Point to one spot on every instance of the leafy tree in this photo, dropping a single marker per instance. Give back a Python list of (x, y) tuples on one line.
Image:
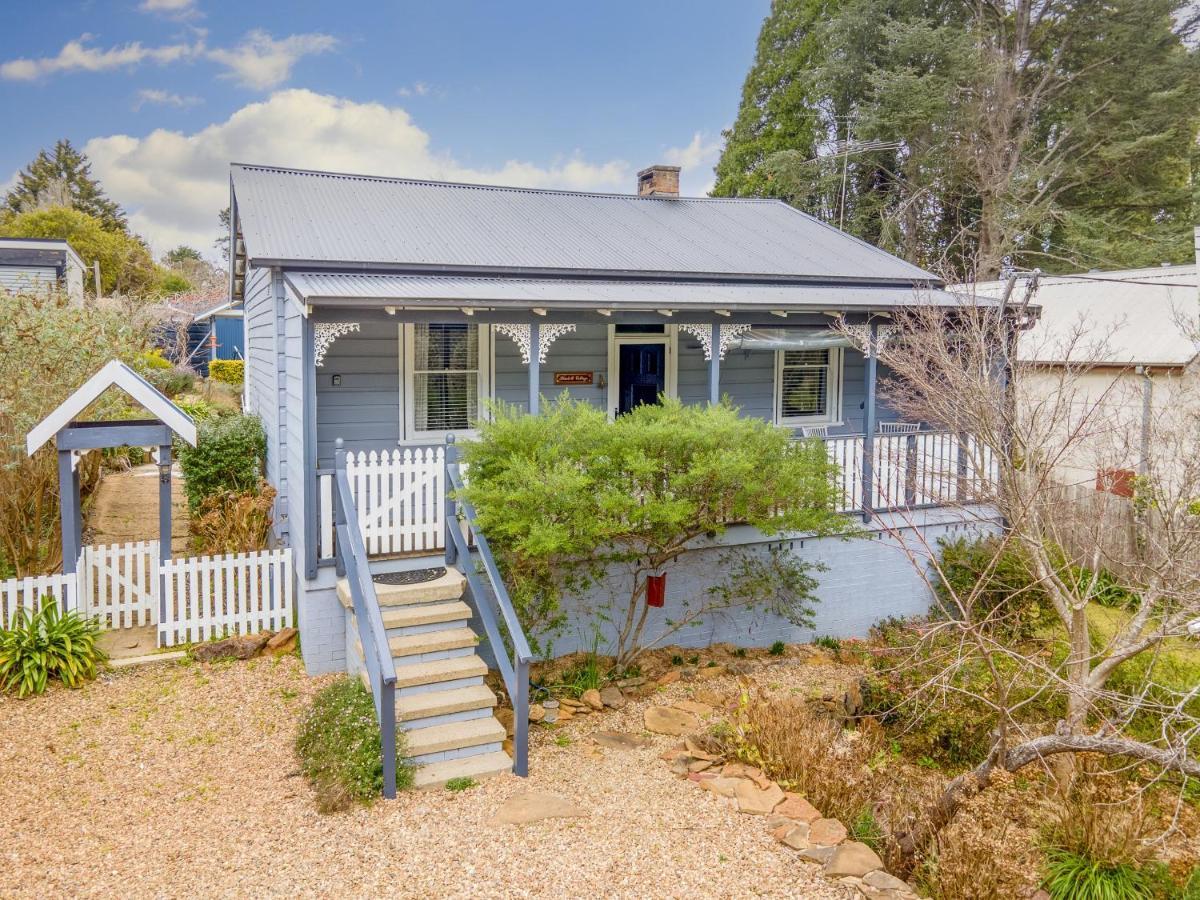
[(571, 501), (64, 178), (125, 264), (222, 241), (1053, 132), (181, 255)]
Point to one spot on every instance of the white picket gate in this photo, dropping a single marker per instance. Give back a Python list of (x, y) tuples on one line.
[(399, 496), (21, 593), (118, 584), (212, 596)]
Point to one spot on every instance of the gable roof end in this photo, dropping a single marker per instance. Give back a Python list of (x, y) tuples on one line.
[(138, 388)]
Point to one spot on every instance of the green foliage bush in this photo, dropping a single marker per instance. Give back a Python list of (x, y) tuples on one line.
[(48, 644), (173, 381), (340, 749), (1072, 876), (227, 371), (151, 360), (228, 457), (568, 498), (994, 582)]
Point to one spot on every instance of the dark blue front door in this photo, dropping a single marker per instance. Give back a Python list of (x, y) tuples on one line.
[(642, 375)]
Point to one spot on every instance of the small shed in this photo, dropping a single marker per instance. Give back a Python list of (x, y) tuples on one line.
[(40, 264), (73, 438), (221, 333)]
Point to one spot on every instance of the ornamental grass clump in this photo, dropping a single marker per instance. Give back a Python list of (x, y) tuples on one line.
[(45, 644), (340, 748)]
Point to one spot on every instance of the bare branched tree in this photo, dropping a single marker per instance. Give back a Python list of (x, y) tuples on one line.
[(1032, 428)]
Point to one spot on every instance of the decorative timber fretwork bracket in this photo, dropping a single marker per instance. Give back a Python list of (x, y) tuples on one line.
[(325, 333), (522, 336), (729, 332)]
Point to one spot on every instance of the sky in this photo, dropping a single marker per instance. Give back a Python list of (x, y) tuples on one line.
[(163, 94)]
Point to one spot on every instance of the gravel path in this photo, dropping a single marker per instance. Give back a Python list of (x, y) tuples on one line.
[(180, 780)]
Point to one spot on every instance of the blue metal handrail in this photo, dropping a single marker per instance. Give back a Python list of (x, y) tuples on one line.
[(377, 655), (514, 671)]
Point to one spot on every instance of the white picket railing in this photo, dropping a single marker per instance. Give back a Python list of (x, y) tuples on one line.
[(20, 593), (118, 584), (399, 496), (213, 596)]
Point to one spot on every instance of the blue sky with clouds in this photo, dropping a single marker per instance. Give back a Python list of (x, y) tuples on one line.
[(163, 94)]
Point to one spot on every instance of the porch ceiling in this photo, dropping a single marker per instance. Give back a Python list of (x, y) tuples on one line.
[(339, 289)]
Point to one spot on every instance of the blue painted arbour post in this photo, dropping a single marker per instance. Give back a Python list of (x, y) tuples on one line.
[(868, 459), (714, 365), (535, 368)]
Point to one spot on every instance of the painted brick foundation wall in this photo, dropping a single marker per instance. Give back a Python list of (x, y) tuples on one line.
[(322, 624)]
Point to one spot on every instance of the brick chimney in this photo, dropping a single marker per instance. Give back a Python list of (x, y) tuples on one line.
[(659, 181)]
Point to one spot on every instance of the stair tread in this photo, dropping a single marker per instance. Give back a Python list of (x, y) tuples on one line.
[(439, 703), (411, 674), (430, 614), (481, 766), (433, 641), (454, 735), (450, 586)]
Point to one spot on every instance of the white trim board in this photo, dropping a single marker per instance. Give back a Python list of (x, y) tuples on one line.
[(138, 388)]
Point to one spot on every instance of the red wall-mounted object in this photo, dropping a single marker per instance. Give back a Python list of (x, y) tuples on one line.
[(656, 590)]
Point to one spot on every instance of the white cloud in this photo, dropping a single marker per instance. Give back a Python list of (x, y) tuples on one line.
[(259, 61), (148, 96), (418, 89), (697, 160), (262, 62), (77, 56), (175, 9), (173, 183)]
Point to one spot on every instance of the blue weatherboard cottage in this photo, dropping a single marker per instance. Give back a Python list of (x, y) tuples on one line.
[(382, 314)]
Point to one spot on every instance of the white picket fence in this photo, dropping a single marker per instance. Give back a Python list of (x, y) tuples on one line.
[(121, 586), (399, 496), (212, 596), (22, 593)]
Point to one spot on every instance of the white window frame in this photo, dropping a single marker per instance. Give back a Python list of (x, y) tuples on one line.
[(669, 339), (408, 413), (833, 392)]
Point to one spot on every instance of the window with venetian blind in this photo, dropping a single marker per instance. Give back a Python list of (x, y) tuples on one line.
[(445, 377), (806, 390)]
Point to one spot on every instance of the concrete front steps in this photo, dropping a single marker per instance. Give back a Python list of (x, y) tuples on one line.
[(442, 703)]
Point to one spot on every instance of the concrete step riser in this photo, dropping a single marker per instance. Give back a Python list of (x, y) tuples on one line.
[(481, 765), (438, 686), (466, 715), (432, 656), (460, 753), (409, 630)]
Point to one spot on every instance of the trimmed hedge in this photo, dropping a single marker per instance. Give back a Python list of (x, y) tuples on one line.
[(228, 371), (228, 457)]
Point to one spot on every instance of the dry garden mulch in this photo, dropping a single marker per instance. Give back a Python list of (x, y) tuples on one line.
[(181, 780)]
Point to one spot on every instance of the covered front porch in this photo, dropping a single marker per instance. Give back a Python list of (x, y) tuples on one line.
[(392, 380)]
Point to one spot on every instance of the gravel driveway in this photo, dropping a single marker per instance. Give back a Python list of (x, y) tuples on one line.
[(180, 780)]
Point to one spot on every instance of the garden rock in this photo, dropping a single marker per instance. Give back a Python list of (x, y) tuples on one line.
[(712, 698), (282, 642), (794, 835), (612, 697), (882, 881), (827, 832), (852, 858), (699, 709), (820, 855), (710, 672), (617, 740), (665, 720), (236, 647), (592, 699), (534, 806), (668, 678), (796, 807), (755, 801), (537, 712), (721, 786)]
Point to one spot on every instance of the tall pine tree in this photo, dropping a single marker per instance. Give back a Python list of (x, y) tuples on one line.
[(64, 178), (1054, 133)]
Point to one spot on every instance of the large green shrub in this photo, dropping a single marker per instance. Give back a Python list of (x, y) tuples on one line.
[(227, 371), (228, 457), (45, 644), (992, 579), (572, 500), (340, 748)]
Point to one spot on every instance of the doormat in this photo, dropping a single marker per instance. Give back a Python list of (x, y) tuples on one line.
[(413, 576)]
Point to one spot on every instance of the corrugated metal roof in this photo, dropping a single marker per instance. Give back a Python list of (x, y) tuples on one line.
[(1125, 317), (562, 293), (321, 217)]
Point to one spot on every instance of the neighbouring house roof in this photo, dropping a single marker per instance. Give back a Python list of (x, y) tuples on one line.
[(17, 249), (138, 388), (313, 220), (1127, 317), (228, 308), (326, 287)]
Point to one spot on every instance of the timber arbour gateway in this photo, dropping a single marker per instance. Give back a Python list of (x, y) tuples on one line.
[(383, 314)]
